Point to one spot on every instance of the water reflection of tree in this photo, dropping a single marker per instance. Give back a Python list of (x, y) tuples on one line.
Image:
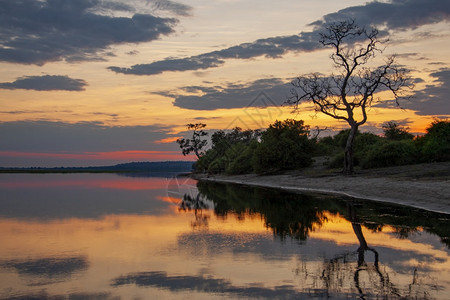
[(380, 286), (378, 280), (286, 214), (295, 216), (196, 204)]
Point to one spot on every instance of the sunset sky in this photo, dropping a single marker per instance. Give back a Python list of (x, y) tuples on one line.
[(99, 82)]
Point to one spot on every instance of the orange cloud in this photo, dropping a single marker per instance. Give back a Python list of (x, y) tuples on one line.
[(168, 140)]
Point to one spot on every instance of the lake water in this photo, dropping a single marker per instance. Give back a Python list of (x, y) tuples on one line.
[(105, 236)]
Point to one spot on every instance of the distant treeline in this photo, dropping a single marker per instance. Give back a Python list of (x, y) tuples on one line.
[(156, 167), (289, 145)]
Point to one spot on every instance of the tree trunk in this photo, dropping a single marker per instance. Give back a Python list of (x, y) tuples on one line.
[(348, 153)]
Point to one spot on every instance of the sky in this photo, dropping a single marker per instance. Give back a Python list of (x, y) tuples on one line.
[(99, 82)]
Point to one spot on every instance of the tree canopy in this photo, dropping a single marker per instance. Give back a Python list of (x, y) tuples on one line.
[(348, 94)]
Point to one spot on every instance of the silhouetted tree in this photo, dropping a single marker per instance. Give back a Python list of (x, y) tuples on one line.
[(347, 95), (197, 142), (396, 132)]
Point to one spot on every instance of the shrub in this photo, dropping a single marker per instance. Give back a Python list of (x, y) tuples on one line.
[(326, 146), (337, 161), (390, 153), (363, 143), (395, 132), (435, 145), (242, 161), (284, 145), (227, 147)]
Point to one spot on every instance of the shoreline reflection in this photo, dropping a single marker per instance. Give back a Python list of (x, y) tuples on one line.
[(215, 241)]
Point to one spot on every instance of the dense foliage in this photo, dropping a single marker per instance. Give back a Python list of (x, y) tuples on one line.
[(286, 145), (397, 147)]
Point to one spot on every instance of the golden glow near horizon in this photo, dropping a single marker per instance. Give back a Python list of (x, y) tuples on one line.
[(120, 100)]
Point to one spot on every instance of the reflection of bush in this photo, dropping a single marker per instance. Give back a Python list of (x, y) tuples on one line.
[(287, 215), (295, 215)]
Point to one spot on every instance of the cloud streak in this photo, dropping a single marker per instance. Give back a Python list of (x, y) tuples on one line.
[(53, 137), (45, 83), (259, 93), (394, 15), (271, 48), (38, 32), (434, 99)]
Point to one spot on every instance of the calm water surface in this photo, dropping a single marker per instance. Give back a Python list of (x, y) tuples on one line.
[(105, 236)]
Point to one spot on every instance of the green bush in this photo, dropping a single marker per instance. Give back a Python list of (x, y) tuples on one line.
[(242, 161), (390, 153), (363, 143), (226, 148), (337, 161), (217, 166), (326, 146), (435, 145), (396, 132), (284, 145)]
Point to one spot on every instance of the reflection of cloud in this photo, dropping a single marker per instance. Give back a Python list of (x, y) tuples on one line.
[(394, 15), (45, 83), (49, 267), (206, 285), (84, 296), (211, 244), (56, 197), (37, 32)]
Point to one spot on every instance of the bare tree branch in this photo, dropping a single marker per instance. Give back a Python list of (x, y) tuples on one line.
[(348, 95)]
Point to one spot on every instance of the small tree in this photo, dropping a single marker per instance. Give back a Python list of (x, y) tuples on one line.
[(347, 95), (284, 145), (395, 132), (196, 143)]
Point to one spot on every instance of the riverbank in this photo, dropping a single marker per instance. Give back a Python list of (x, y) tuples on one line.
[(425, 186)]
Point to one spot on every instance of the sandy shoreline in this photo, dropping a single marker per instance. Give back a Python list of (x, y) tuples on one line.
[(416, 189)]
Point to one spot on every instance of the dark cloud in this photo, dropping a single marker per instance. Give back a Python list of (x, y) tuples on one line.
[(259, 93), (37, 32), (205, 61), (45, 83), (271, 47), (395, 15), (171, 6), (434, 99), (41, 136)]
